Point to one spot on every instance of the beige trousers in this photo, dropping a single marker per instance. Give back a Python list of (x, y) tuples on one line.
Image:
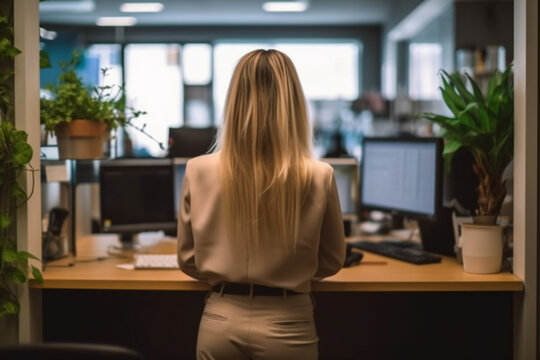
[(259, 327)]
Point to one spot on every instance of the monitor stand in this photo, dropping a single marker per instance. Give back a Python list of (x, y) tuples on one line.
[(127, 247)]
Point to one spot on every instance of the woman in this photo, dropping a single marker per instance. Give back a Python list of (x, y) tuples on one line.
[(260, 219)]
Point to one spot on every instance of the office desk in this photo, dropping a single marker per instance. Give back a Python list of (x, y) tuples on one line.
[(372, 311), (375, 273)]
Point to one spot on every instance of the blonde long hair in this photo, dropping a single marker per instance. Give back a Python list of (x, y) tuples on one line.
[(265, 152)]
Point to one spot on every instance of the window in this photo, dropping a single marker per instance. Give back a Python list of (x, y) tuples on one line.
[(425, 60), (103, 56), (327, 71), (197, 74), (196, 64), (187, 84), (154, 84)]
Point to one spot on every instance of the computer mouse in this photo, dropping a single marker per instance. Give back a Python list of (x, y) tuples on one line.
[(352, 257)]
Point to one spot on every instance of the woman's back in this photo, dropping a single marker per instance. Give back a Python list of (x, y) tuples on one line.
[(319, 246), (260, 219)]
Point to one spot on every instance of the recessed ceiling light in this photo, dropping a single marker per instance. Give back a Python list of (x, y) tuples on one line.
[(141, 7), (285, 6), (116, 21), (80, 6)]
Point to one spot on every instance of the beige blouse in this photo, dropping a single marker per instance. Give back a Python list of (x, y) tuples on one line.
[(203, 247)]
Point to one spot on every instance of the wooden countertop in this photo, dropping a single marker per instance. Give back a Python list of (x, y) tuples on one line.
[(374, 273)]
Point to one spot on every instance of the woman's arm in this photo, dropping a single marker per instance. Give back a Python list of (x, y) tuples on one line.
[(332, 241), (186, 245)]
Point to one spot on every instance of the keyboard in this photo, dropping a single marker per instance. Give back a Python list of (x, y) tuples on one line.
[(405, 253), (156, 261)]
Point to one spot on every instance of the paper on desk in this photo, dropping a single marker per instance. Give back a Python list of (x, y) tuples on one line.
[(56, 172), (126, 266)]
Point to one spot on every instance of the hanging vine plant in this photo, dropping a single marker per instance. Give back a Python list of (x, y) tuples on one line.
[(15, 156)]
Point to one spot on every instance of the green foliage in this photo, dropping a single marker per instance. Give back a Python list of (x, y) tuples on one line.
[(73, 100), (484, 125), (44, 61), (15, 156)]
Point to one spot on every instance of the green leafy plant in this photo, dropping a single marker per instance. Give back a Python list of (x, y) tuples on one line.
[(482, 124), (15, 156), (71, 99)]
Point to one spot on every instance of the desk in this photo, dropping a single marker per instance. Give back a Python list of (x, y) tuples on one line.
[(368, 311), (394, 275)]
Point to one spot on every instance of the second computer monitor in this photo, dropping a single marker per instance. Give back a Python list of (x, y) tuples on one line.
[(402, 176), (137, 195), (186, 142)]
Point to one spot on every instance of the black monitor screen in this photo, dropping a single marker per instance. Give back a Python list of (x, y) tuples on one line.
[(402, 176), (190, 142), (137, 195)]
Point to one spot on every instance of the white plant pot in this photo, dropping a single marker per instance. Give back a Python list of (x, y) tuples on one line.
[(482, 248)]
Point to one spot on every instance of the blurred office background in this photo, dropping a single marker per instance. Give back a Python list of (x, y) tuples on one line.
[(367, 66)]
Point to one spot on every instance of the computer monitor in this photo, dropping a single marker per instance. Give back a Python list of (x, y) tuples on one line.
[(136, 195), (404, 177), (187, 142), (346, 177)]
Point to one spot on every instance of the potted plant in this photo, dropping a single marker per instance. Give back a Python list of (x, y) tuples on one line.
[(15, 156), (83, 117), (483, 125)]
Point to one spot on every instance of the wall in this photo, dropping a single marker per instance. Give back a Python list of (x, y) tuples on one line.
[(59, 49), (400, 9), (441, 31)]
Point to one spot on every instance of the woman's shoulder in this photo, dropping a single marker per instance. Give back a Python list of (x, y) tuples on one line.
[(203, 160), (202, 163), (321, 167)]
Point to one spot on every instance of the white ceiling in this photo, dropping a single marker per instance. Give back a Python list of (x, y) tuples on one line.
[(228, 12)]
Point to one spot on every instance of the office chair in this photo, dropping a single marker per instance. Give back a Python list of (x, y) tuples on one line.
[(67, 351)]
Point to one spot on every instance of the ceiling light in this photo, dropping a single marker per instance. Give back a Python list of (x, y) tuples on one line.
[(80, 6), (141, 7), (116, 21), (285, 6)]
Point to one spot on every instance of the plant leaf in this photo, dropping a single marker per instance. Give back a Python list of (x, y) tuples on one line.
[(44, 60), (22, 153), (8, 306), (18, 192), (5, 220), (15, 275), (449, 150), (37, 274), (451, 147), (476, 89), (460, 86), (9, 255), (26, 255), (492, 84)]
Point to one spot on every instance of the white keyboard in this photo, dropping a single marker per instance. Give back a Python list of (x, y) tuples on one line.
[(156, 261)]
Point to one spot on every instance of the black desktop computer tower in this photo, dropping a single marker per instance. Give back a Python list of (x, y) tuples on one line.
[(459, 195), (438, 235)]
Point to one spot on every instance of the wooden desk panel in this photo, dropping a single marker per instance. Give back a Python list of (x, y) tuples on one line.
[(375, 273)]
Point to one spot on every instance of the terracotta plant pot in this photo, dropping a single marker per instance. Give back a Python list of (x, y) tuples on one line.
[(80, 139)]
